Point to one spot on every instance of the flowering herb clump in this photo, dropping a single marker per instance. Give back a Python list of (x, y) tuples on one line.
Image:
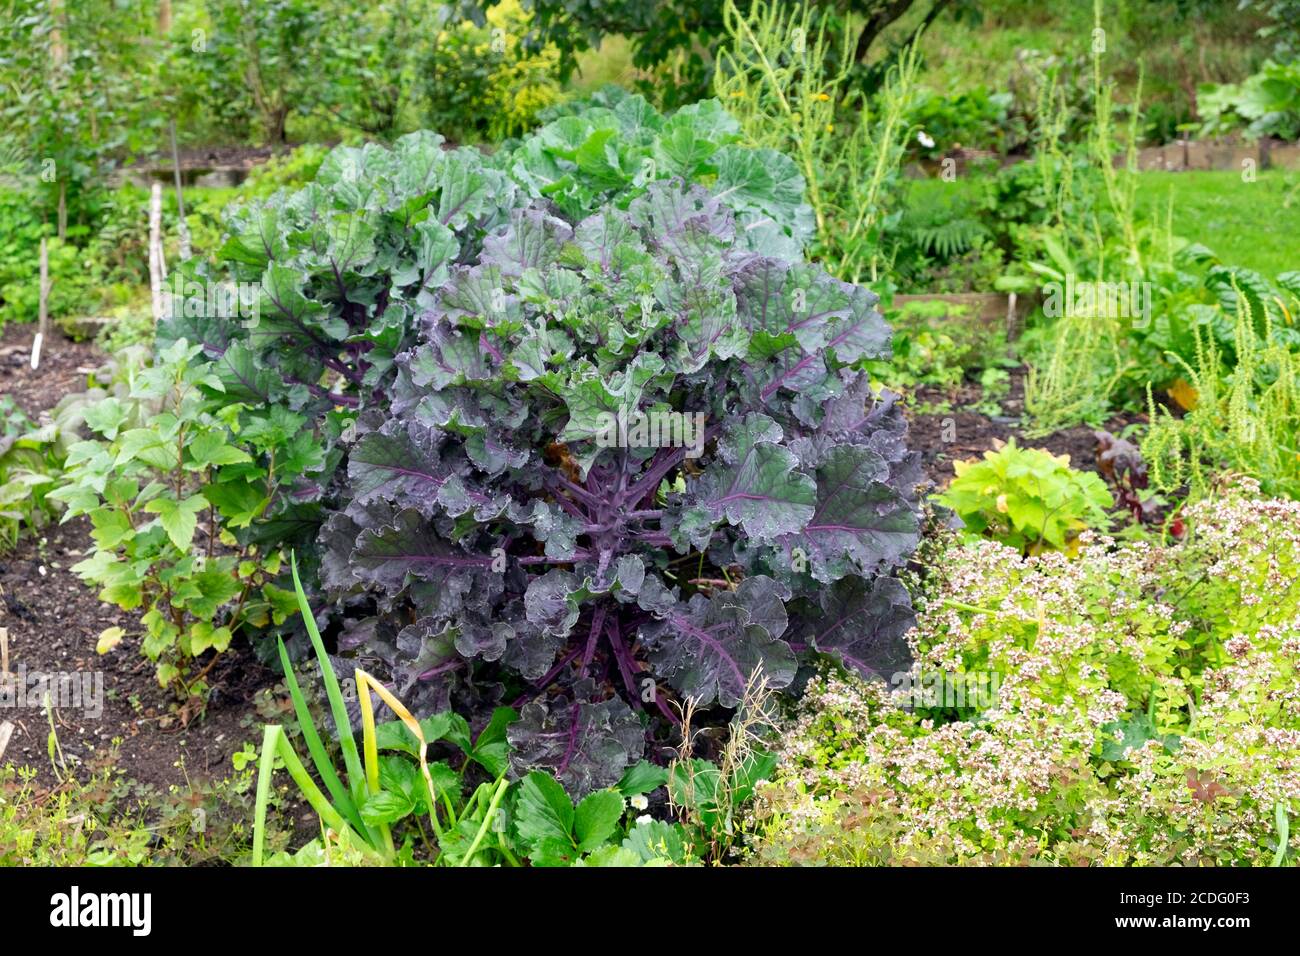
[(1141, 709), (630, 461)]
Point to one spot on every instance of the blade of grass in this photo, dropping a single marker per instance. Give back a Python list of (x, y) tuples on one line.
[(488, 816), (1283, 822), (366, 681), (265, 770), (370, 747), (318, 801), (347, 742), (316, 747)]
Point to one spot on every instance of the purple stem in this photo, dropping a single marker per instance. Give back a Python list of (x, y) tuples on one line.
[(351, 375), (649, 481), (665, 709), (440, 669), (573, 739), (623, 655), (549, 677), (544, 559), (597, 622), (488, 347), (568, 505), (582, 494), (654, 538), (334, 398)]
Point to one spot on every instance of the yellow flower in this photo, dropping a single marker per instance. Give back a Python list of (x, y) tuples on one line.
[(823, 97), (830, 127)]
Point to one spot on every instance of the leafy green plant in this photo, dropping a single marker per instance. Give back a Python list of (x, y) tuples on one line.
[(995, 385), (482, 82), (339, 271), (1026, 498), (160, 484), (611, 149), (967, 118), (938, 344), (29, 468), (1266, 103), (944, 232), (500, 527)]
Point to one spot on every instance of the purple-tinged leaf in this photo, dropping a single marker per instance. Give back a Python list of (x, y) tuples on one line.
[(711, 649)]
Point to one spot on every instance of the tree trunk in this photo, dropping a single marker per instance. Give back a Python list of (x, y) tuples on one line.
[(58, 46), (890, 11), (276, 121)]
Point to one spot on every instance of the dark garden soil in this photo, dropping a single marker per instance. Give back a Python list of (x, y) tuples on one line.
[(54, 621), (962, 432), (63, 368)]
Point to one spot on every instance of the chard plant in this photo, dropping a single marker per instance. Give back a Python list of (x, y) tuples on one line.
[(629, 463)]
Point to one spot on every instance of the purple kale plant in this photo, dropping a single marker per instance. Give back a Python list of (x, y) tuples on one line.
[(630, 459)]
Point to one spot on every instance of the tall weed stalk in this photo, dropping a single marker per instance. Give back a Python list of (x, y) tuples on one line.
[(1082, 358), (786, 76)]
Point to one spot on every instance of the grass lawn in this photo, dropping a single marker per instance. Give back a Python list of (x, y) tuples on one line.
[(1255, 225)]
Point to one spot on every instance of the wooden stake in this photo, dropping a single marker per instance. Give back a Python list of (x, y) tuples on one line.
[(157, 269), (6, 728), (43, 321)]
